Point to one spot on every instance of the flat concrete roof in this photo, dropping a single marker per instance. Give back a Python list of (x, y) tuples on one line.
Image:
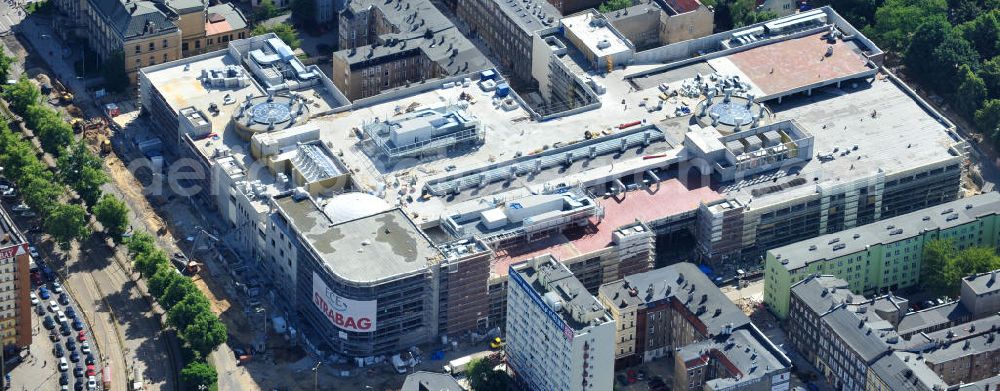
[(594, 36), (795, 63), (376, 248), (902, 136)]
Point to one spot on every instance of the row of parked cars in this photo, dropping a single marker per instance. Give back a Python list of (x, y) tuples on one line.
[(60, 314)]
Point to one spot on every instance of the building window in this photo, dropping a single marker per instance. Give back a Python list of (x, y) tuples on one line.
[(210, 41), (184, 46), (138, 62), (152, 60), (137, 49), (152, 46), (165, 44), (164, 57), (197, 44)]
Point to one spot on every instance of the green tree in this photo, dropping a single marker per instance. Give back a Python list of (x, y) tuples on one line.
[(140, 243), (614, 5), (113, 70), (896, 21), (22, 94), (971, 91), (147, 263), (936, 271), (284, 31), (265, 10), (482, 376), (990, 72), (988, 120), (178, 289), (205, 333), (860, 13), (198, 373), (5, 63), (162, 279), (304, 13), (54, 134), (183, 313), (81, 169), (112, 213), (984, 33), (67, 223), (41, 194)]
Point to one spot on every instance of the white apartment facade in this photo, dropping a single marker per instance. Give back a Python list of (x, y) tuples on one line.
[(559, 337)]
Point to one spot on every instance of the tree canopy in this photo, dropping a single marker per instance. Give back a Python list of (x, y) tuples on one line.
[(198, 373), (67, 223), (483, 377), (112, 213), (943, 265), (284, 31)]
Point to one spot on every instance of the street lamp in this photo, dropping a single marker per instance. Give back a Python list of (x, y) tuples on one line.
[(315, 370)]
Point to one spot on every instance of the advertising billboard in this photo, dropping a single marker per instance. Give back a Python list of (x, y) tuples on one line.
[(346, 314)]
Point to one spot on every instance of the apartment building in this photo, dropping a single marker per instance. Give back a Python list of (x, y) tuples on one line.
[(743, 360), (559, 337), (677, 312), (884, 256), (386, 45), (663, 309), (207, 29), (151, 32), (508, 29), (15, 286), (856, 344), (650, 24), (141, 30), (980, 293)]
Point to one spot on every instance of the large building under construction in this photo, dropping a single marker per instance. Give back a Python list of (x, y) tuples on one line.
[(393, 220)]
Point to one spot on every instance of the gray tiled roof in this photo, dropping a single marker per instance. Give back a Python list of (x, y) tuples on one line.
[(932, 318), (431, 381), (135, 18), (942, 216), (232, 14), (870, 338), (983, 283), (445, 45), (694, 291)]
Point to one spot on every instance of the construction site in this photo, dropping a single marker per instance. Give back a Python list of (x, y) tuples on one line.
[(407, 208)]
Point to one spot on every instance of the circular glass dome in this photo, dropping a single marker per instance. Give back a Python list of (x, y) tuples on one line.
[(271, 112), (350, 206), (731, 113)]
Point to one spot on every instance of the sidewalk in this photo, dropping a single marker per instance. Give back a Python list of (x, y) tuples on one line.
[(38, 33)]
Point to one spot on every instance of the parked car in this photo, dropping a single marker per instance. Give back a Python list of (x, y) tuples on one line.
[(20, 208), (34, 298), (70, 312), (63, 298), (77, 371), (90, 362), (53, 336), (57, 351), (53, 306), (81, 336), (74, 356), (70, 345), (77, 325), (64, 378), (65, 330), (61, 317), (48, 323), (90, 368), (91, 383), (40, 309), (85, 347), (43, 292), (33, 251), (57, 287)]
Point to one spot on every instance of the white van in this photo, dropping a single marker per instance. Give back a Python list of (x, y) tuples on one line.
[(63, 365)]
